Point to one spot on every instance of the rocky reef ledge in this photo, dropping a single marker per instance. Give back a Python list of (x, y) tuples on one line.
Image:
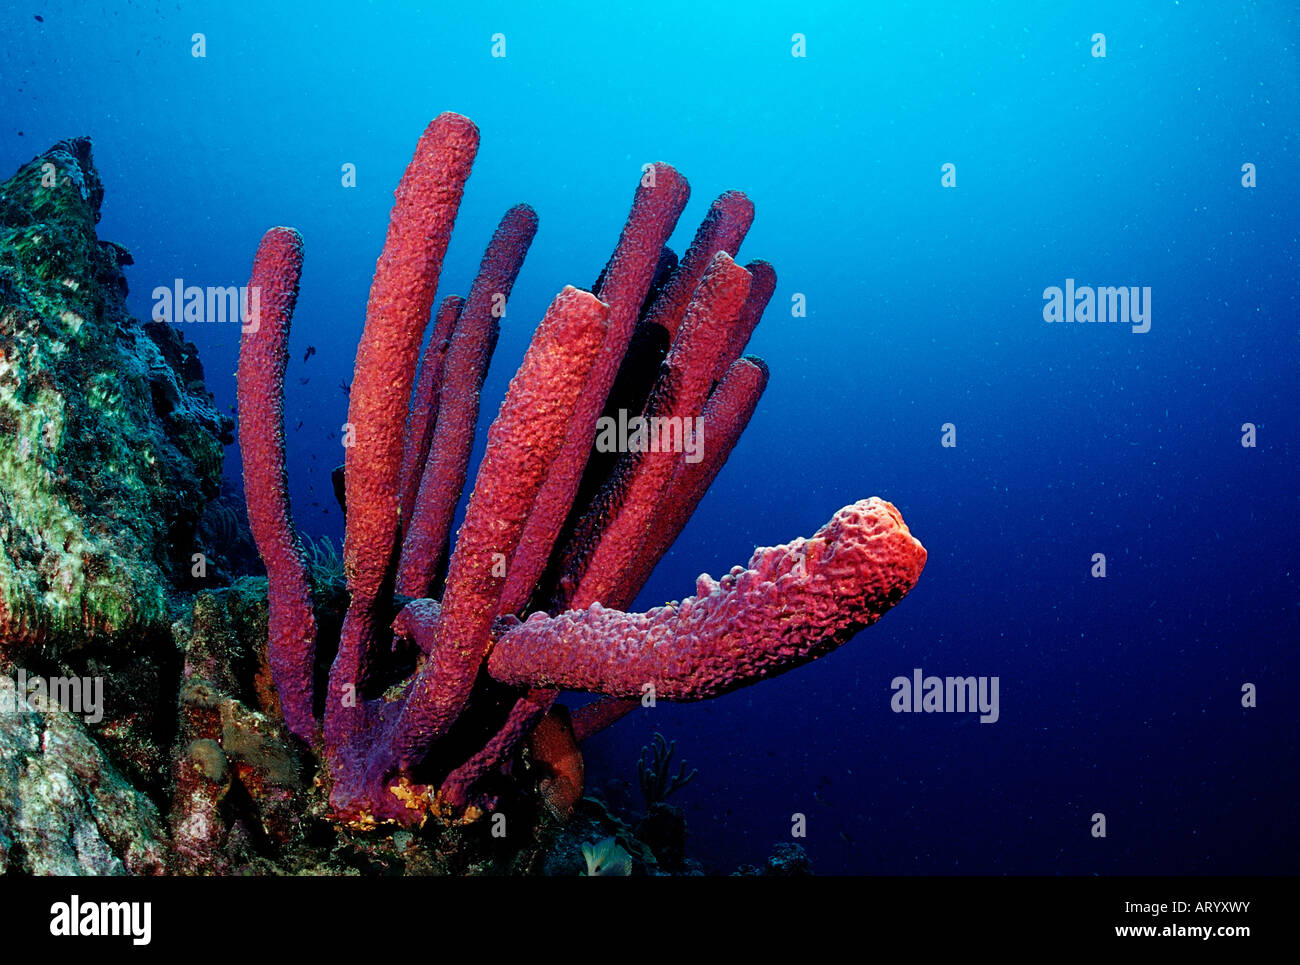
[(110, 445)]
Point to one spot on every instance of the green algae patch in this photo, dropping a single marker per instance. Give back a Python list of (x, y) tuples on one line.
[(100, 484)]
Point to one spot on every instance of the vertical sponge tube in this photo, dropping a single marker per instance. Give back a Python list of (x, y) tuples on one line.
[(475, 338), (605, 546), (657, 205), (723, 229), (424, 407), (397, 312), (726, 414), (263, 354), (522, 443)]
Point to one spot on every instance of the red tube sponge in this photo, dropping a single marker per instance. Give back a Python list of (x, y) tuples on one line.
[(472, 344), (605, 546), (795, 603), (397, 313), (522, 443), (263, 355)]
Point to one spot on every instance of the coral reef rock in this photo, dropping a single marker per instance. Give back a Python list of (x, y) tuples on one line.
[(787, 860), (110, 444), (64, 809)]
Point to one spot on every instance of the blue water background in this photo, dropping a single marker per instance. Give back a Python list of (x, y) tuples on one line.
[(1118, 695)]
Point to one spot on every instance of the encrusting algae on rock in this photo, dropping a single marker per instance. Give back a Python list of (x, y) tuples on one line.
[(107, 451)]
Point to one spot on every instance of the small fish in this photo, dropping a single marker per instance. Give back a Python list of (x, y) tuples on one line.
[(304, 381), (311, 350), (606, 859), (298, 426), (39, 18), (847, 840), (347, 389)]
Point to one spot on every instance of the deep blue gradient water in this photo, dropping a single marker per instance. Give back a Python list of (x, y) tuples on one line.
[(1119, 695)]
